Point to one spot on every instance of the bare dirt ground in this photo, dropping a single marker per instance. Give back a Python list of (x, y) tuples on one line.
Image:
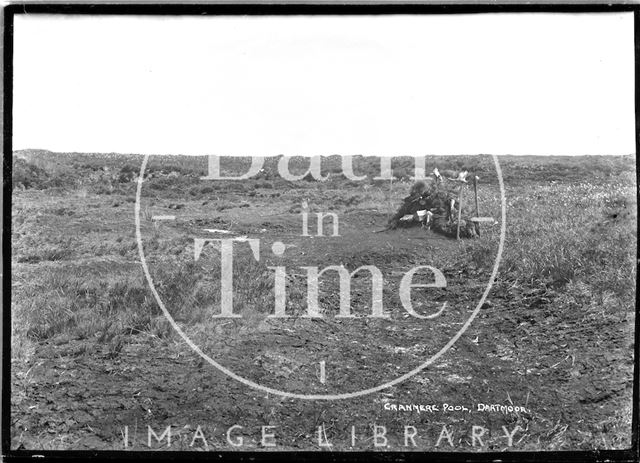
[(95, 363)]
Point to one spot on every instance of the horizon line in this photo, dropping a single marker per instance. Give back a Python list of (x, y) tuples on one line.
[(312, 155)]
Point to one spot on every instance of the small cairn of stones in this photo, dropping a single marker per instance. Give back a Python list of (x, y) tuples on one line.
[(435, 206)]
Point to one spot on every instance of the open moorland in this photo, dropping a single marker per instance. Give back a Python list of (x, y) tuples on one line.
[(95, 362)]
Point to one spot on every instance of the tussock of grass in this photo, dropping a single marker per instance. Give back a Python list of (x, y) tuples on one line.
[(47, 253), (68, 303), (566, 236)]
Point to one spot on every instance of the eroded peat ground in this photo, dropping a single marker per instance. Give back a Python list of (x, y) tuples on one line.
[(94, 359)]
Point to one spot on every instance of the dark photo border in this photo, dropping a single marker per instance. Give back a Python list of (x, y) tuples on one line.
[(12, 10)]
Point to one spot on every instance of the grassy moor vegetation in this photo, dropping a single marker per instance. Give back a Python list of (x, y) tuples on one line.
[(92, 353)]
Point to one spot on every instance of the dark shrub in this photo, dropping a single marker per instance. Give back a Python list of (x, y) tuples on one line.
[(27, 175)]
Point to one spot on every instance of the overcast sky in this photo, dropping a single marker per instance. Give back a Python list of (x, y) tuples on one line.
[(376, 85)]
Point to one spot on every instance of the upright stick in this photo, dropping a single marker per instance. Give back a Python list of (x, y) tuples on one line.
[(475, 192), (459, 210)]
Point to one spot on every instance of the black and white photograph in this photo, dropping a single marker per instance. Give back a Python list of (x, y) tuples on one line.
[(251, 229)]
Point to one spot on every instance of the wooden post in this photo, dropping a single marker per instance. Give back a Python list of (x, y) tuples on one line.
[(459, 210), (475, 192), (390, 202)]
